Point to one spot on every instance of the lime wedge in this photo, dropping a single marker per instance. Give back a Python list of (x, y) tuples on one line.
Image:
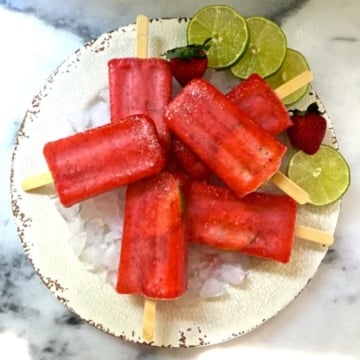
[(293, 65), (324, 175), (266, 49), (227, 30)]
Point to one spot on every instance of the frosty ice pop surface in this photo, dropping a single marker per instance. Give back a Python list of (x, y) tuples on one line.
[(153, 256), (259, 224), (100, 159), (141, 86), (261, 104), (237, 149)]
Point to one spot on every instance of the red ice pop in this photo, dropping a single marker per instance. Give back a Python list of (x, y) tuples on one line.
[(141, 86), (100, 159), (153, 260), (259, 224), (236, 148), (261, 104)]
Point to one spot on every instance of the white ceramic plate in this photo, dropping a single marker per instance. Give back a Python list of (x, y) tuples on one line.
[(269, 286)]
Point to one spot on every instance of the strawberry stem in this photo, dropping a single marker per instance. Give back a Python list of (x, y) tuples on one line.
[(189, 51)]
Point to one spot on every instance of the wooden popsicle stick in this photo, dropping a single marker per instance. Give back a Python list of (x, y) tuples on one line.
[(294, 84), (149, 318), (37, 181), (142, 30), (315, 235), (279, 179), (290, 188)]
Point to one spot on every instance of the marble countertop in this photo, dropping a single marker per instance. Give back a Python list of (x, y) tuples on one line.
[(322, 323)]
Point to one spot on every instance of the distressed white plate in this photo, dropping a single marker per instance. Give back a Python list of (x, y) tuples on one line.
[(269, 286)]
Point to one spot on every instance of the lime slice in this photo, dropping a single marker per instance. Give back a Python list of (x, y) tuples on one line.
[(324, 175), (227, 30), (265, 52), (293, 65)]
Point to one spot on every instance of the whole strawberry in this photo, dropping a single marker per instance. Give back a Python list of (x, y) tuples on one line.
[(188, 62), (308, 129)]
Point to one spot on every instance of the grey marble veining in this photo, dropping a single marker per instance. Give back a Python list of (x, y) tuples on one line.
[(78, 17), (323, 321)]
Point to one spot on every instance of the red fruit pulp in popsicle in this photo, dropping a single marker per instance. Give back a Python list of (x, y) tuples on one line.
[(101, 159), (153, 260)]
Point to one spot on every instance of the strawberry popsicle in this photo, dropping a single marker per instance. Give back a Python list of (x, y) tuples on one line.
[(153, 260), (141, 86), (236, 148), (100, 159), (259, 224), (261, 104)]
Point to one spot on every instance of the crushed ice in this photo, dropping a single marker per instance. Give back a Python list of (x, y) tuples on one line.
[(96, 114), (95, 228)]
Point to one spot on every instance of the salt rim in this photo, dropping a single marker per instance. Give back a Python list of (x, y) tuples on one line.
[(95, 228)]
